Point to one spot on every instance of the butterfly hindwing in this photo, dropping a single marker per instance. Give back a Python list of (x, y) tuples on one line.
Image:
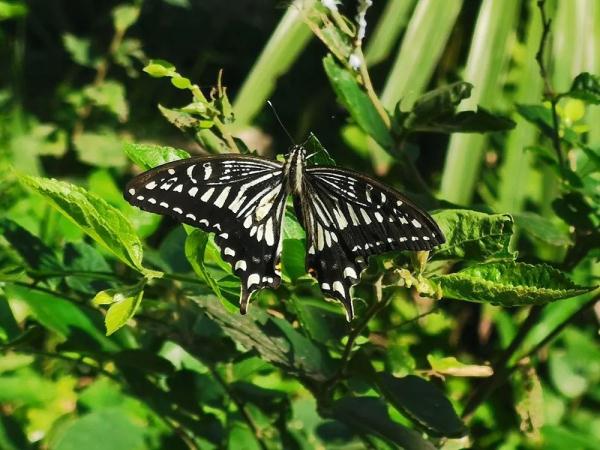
[(349, 217), (239, 198)]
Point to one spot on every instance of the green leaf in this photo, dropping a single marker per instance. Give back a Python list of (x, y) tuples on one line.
[(124, 16), (369, 415), (181, 82), (59, 315), (195, 250), (123, 305), (452, 366), (541, 116), (423, 402), (436, 112), (294, 249), (586, 87), (148, 156), (159, 68), (102, 222), (357, 102), (275, 340), (472, 235), (509, 284), (105, 429), (80, 50), (109, 95), (99, 149), (81, 257), (321, 155), (182, 119), (543, 228)]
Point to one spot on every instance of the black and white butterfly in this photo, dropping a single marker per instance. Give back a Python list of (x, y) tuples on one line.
[(347, 216)]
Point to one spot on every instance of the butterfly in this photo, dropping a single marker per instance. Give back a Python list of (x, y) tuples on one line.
[(347, 216)]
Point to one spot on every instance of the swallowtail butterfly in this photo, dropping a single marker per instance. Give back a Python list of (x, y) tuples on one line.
[(347, 216)]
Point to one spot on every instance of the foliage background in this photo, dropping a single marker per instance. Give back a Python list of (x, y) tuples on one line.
[(413, 371)]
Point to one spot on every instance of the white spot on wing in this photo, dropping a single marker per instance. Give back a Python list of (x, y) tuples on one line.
[(269, 232), (325, 286), (241, 264), (178, 188), (190, 170), (171, 171), (220, 201), (151, 185), (350, 272), (416, 223), (190, 216), (140, 197), (131, 191), (207, 170), (207, 195), (229, 251), (379, 217), (178, 210), (151, 200), (193, 191), (253, 279), (365, 216), (248, 222), (164, 204), (339, 287)]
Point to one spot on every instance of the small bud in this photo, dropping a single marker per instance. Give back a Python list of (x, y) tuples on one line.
[(355, 61)]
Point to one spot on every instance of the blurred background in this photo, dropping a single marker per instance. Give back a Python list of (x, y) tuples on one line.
[(72, 90)]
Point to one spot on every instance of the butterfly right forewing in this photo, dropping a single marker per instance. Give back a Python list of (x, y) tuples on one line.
[(239, 198)]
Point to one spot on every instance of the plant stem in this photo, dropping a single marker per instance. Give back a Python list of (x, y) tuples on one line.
[(500, 369), (549, 93)]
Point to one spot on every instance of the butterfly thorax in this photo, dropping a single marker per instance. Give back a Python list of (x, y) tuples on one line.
[(293, 169)]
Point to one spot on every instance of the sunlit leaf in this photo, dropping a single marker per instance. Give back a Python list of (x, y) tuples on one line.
[(148, 156), (509, 284)]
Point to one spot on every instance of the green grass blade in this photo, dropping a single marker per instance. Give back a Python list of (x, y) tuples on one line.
[(515, 170), (485, 63), (393, 20), (422, 46), (283, 48)]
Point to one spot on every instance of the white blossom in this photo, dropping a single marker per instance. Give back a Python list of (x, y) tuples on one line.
[(355, 61), (330, 4)]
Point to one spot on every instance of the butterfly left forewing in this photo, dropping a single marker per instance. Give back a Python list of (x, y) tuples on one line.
[(239, 198), (349, 217)]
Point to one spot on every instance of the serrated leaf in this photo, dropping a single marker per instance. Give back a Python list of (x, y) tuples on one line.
[(275, 340), (423, 402), (357, 102), (369, 415), (148, 156), (586, 87), (509, 284), (195, 249), (479, 121), (473, 235), (102, 222)]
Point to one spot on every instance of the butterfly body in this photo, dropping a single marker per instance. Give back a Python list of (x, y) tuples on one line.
[(347, 216)]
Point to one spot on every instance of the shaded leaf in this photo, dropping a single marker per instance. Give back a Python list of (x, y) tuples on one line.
[(102, 222), (34, 252), (148, 156), (586, 87), (274, 339), (105, 429), (109, 95), (357, 102), (509, 284), (195, 249), (479, 121), (59, 315), (542, 228), (472, 235), (369, 415), (182, 119), (423, 402), (99, 149), (319, 155), (124, 16), (81, 257), (159, 68), (80, 50)]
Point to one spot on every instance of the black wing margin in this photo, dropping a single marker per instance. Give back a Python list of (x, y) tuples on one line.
[(239, 198), (349, 217)]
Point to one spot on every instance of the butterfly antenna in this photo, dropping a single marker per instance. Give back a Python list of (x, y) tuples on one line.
[(280, 122)]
